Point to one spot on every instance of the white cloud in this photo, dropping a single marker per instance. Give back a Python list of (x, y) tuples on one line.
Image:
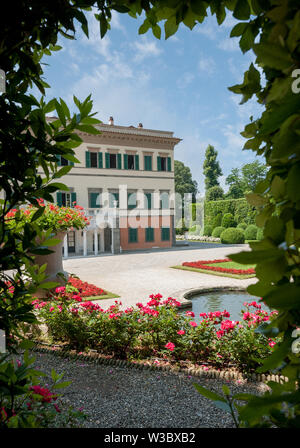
[(185, 80), (229, 44), (207, 64), (145, 48)]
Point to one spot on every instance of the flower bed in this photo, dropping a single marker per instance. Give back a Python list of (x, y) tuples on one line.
[(205, 266), (78, 290), (158, 331)]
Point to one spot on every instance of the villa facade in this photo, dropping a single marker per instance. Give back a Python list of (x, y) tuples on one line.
[(125, 183)]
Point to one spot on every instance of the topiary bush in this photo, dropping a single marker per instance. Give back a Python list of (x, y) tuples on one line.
[(181, 227), (207, 230), (217, 231), (232, 235), (217, 220), (251, 232), (242, 226), (260, 234), (228, 221)]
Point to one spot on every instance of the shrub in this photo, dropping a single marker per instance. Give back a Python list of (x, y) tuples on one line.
[(214, 193), (260, 233), (251, 232), (228, 221), (217, 231), (207, 230), (232, 236), (217, 220), (242, 226), (181, 227)]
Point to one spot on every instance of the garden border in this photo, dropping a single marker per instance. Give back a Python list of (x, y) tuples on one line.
[(98, 359)]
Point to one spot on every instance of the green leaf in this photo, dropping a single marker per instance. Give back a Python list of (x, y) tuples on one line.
[(208, 393), (284, 297), (242, 10), (257, 256), (272, 55), (170, 27), (61, 385), (292, 185), (238, 29), (38, 214), (276, 358), (49, 285), (144, 27), (59, 186)]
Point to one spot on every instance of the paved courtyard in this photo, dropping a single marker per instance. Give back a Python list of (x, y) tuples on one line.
[(134, 276)]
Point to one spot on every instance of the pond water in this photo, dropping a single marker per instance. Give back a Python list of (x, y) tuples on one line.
[(219, 301)]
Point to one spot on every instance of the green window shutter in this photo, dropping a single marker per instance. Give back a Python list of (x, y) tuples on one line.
[(95, 200), (125, 162), (132, 235), (165, 234), (107, 160), (137, 164), (148, 163), (148, 204), (158, 163), (119, 161), (149, 234), (100, 160), (113, 197), (87, 159), (58, 159), (73, 198), (169, 163), (59, 199), (131, 200)]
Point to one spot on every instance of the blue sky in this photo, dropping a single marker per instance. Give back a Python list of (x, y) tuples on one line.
[(177, 85)]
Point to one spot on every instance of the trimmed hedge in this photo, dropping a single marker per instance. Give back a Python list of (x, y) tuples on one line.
[(232, 235), (217, 231), (207, 230), (228, 221), (251, 232), (240, 209), (260, 233), (242, 226)]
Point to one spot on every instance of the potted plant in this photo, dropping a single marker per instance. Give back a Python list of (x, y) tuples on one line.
[(52, 223)]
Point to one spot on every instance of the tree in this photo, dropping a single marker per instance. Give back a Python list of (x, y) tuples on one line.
[(245, 180), (211, 167), (184, 182), (214, 193), (253, 173)]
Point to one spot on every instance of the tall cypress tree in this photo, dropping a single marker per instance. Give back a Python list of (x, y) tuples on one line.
[(211, 167)]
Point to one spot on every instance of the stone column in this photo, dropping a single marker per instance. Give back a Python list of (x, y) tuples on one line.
[(66, 246), (84, 243), (96, 241)]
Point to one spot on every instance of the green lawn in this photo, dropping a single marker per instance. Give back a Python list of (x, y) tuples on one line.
[(232, 265), (228, 265), (108, 295)]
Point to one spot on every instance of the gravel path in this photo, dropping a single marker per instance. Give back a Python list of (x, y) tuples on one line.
[(122, 397)]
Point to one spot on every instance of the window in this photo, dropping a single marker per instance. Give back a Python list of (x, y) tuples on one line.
[(163, 163), (94, 199), (165, 234), (113, 197), (148, 163), (149, 237), (65, 199), (93, 159), (131, 162), (132, 235), (148, 201), (113, 161), (164, 200), (132, 201), (61, 161)]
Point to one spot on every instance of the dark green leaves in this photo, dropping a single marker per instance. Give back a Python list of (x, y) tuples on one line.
[(272, 55), (241, 10)]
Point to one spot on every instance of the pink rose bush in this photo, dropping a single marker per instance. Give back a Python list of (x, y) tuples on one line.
[(159, 329), (204, 264)]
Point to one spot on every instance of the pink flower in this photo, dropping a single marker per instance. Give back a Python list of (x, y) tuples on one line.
[(51, 308), (193, 324), (190, 313), (181, 332), (170, 346), (60, 289)]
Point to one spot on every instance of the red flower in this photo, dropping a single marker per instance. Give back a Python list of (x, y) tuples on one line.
[(170, 346)]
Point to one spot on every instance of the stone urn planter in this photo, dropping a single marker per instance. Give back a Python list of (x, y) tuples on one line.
[(54, 264)]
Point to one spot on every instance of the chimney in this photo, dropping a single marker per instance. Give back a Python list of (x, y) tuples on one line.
[(111, 121), (140, 125)]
